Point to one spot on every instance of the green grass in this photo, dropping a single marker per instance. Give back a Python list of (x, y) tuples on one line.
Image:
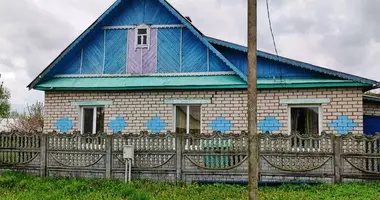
[(14, 185)]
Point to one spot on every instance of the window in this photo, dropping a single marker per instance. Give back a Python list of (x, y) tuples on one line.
[(305, 119), (92, 119), (187, 119), (142, 36)]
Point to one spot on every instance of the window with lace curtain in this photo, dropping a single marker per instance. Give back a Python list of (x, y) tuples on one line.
[(187, 119)]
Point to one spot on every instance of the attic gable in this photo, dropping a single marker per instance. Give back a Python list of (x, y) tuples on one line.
[(107, 46)]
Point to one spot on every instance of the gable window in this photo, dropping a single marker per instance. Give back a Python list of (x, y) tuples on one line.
[(142, 36), (305, 119), (187, 119), (92, 119)]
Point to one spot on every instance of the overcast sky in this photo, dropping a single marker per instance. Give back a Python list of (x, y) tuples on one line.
[(341, 34)]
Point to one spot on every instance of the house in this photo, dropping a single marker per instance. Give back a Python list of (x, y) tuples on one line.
[(371, 109), (143, 66)]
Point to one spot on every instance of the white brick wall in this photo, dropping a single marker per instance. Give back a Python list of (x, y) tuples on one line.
[(371, 108), (139, 107)]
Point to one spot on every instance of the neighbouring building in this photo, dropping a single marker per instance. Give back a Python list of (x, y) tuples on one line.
[(143, 66)]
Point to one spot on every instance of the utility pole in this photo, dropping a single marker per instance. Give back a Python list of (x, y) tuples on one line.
[(253, 137)]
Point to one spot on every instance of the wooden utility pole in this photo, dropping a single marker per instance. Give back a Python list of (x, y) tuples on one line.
[(253, 138)]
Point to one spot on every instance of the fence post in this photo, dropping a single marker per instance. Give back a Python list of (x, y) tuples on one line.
[(337, 159), (43, 154), (108, 156), (178, 147)]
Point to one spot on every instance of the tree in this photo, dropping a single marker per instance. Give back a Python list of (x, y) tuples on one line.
[(29, 121), (5, 107)]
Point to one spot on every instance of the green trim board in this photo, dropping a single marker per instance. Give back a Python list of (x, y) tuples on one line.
[(91, 103), (184, 82), (305, 101), (141, 82), (187, 101)]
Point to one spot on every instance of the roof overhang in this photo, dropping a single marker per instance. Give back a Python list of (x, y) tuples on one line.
[(91, 83), (371, 98)]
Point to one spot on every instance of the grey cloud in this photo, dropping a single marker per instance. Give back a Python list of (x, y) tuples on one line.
[(31, 34)]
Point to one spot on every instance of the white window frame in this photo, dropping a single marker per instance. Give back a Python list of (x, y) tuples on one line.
[(320, 115), (187, 116), (94, 109), (142, 26)]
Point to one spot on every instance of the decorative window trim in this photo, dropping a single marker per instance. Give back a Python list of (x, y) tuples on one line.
[(305, 101), (91, 103), (320, 115), (187, 101), (142, 46)]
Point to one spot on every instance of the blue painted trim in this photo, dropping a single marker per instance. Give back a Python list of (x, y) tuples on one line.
[(305, 101), (296, 63), (227, 44), (187, 101), (91, 103)]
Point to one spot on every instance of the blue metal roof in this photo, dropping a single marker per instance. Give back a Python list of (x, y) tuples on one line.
[(295, 63)]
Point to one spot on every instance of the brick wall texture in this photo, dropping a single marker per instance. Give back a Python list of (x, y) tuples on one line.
[(371, 108), (139, 107)]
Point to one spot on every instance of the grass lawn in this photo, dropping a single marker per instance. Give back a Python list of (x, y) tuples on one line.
[(20, 186)]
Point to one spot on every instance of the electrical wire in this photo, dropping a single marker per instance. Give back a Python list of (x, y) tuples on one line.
[(271, 29), (273, 39)]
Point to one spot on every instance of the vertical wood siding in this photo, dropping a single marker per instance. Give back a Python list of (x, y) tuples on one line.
[(149, 56), (169, 50), (238, 58), (194, 53), (134, 55), (70, 64), (142, 11), (93, 55), (116, 52), (269, 69), (217, 65)]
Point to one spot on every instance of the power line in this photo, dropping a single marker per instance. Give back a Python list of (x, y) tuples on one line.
[(271, 30)]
